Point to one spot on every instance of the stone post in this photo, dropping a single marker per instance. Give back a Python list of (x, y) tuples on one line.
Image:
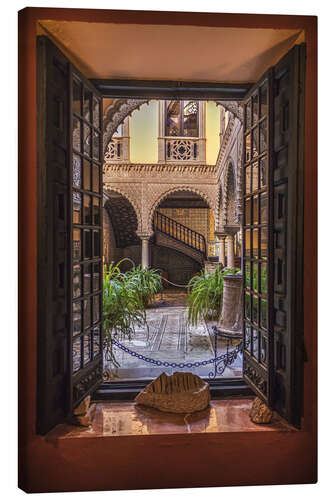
[(232, 312), (144, 249)]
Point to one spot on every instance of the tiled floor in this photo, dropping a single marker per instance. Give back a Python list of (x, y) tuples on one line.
[(127, 419), (169, 338)]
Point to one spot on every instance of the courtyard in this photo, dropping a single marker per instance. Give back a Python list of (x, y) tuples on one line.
[(168, 337)]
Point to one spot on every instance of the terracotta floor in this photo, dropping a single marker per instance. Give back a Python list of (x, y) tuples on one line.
[(126, 418)]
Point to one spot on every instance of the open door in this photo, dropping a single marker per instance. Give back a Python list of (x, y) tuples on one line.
[(273, 236), (70, 236)]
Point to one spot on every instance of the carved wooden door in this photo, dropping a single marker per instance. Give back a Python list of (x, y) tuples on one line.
[(273, 235)]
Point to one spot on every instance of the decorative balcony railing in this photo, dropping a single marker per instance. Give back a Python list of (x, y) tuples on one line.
[(114, 150), (181, 149), (180, 233)]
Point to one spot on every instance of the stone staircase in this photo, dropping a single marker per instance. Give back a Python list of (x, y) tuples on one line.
[(172, 234)]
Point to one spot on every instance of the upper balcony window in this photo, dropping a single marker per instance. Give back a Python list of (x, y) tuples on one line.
[(182, 132), (182, 119)]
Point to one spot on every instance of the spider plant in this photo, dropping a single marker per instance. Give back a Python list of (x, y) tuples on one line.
[(125, 296), (205, 293), (148, 283)]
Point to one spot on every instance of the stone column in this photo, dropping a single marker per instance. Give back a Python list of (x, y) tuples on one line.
[(230, 251), (232, 312), (230, 232), (221, 238), (144, 249)]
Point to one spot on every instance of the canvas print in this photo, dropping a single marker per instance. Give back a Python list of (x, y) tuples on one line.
[(170, 243)]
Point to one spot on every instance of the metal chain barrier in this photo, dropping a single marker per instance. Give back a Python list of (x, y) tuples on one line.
[(220, 362)]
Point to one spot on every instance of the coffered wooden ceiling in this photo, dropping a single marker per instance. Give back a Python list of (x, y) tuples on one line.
[(164, 52)]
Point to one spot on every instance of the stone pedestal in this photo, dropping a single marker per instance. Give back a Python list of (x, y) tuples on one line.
[(231, 317)]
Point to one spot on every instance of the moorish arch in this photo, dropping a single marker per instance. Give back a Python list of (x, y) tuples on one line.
[(119, 109), (123, 217), (208, 193), (231, 193)]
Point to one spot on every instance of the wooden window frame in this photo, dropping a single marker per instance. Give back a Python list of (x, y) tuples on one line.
[(294, 453)]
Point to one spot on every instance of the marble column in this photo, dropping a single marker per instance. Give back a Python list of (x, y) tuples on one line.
[(144, 249), (221, 241), (230, 251), (230, 232)]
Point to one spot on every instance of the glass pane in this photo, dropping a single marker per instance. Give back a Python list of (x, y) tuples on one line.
[(87, 209), (77, 134), (263, 172), (86, 349), (77, 282), (255, 343), (248, 306), (247, 337), (173, 118), (96, 212), (247, 218), (247, 148), (76, 355), (255, 277), (255, 208), (248, 242), (87, 98), (86, 140), (86, 175), (77, 207), (96, 145), (264, 208), (87, 278), (77, 96), (255, 143), (248, 115), (264, 243), (96, 308), (255, 177), (263, 314), (87, 244), (248, 180), (255, 104), (77, 318), (97, 244), (263, 350), (77, 244), (96, 340), (263, 136), (263, 100), (96, 276), (95, 172), (76, 171), (96, 106), (191, 112), (248, 274), (87, 312), (255, 240), (263, 278)]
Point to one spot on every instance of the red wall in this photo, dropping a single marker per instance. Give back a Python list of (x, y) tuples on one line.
[(172, 460)]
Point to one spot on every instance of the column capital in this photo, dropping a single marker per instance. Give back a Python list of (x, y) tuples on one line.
[(145, 235), (220, 235), (229, 230)]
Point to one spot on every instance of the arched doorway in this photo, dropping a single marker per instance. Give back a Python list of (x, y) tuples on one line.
[(183, 225), (120, 224)]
